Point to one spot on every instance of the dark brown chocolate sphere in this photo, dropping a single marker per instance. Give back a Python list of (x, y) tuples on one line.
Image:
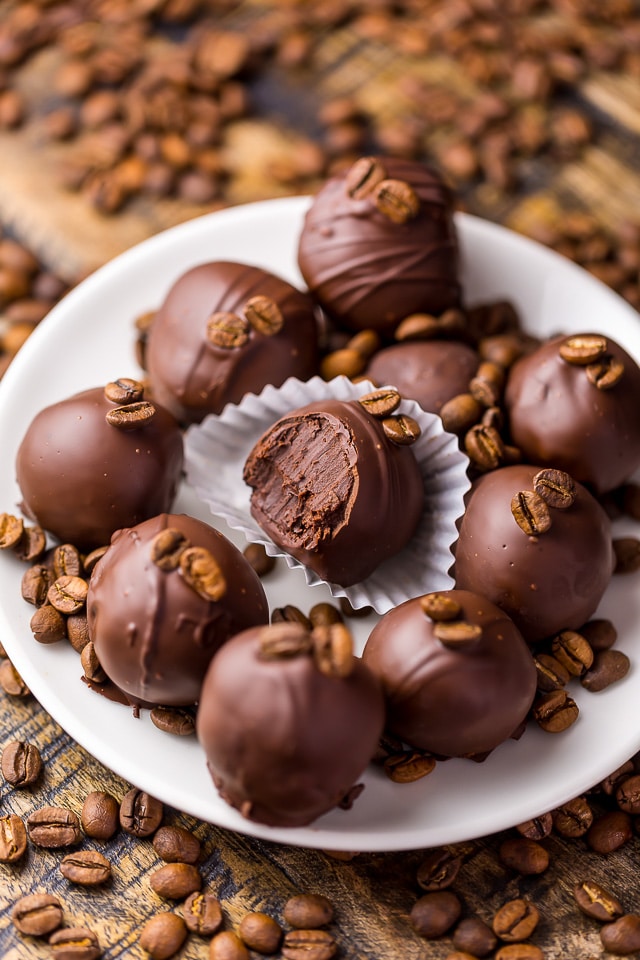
[(577, 417), (430, 372), (332, 490), (163, 599), (366, 269), (284, 741), (198, 361), (546, 582), (82, 477), (453, 698)]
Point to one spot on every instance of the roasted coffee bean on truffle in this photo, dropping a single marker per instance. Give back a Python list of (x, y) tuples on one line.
[(547, 580), (288, 720), (379, 243), (226, 329), (458, 677), (163, 599), (97, 461), (573, 404), (333, 490)]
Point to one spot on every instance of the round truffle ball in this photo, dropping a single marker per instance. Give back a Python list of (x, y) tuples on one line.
[(89, 465), (226, 329), (331, 489), (286, 729), (428, 371), (162, 600), (546, 581), (573, 404), (379, 243), (455, 687)]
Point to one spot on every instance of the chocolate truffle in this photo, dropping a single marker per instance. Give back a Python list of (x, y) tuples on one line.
[(573, 404), (288, 721), (331, 489), (226, 329), (162, 600), (544, 559), (430, 372), (97, 461), (457, 676), (379, 243)]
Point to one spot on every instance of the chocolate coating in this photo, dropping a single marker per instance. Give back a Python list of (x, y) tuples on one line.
[(428, 371), (82, 478), (284, 742), (367, 271), (330, 489), (546, 583), (154, 635), (190, 375), (558, 418), (452, 702)]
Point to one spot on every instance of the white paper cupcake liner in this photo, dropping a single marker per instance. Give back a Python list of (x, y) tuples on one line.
[(215, 455)]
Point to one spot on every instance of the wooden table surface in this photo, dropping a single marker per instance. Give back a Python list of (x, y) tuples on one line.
[(373, 893)]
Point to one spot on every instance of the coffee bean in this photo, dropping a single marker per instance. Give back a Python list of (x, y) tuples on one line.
[(502, 348), (35, 584), (163, 935), (460, 413), (440, 607), (68, 594), (54, 827), (123, 391), (610, 784), (324, 614), (91, 665), (176, 880), (284, 639), (401, 429), (493, 417), (536, 829), (11, 530), (264, 315), (608, 667), (202, 913), (310, 944), (515, 920), (597, 902), (628, 794), (363, 177), (13, 838), (227, 331), (333, 649), (408, 766), (605, 373), (11, 681), (67, 561), (75, 943), (627, 554), (37, 914), (228, 946), (573, 818), (435, 913), (260, 932), (92, 559), (365, 342), (484, 447), (396, 200), (572, 651), (555, 711), (48, 625), (380, 403), (345, 362), (609, 832), (175, 844), (176, 720), (131, 416), (99, 816), (32, 544), (201, 571), (21, 763), (599, 634), (88, 868), (439, 869), (167, 548), (551, 675), (530, 513), (487, 385), (519, 951), (308, 911), (77, 631), (622, 937), (457, 634), (555, 487), (258, 558), (417, 326), (474, 936), (583, 349), (140, 813), (527, 857)]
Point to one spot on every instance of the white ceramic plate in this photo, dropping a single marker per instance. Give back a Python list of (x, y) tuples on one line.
[(87, 340)]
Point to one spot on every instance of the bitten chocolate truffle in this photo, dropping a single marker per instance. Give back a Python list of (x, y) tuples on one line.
[(333, 489), (537, 545), (458, 677), (573, 404), (226, 329), (162, 600), (288, 721), (97, 461), (379, 243), (430, 372)]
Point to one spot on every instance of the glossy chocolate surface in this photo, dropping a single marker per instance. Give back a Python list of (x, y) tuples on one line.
[(333, 491), (192, 376), (547, 583), (82, 478), (452, 702), (559, 418), (367, 271), (284, 742), (154, 635), (428, 371)]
